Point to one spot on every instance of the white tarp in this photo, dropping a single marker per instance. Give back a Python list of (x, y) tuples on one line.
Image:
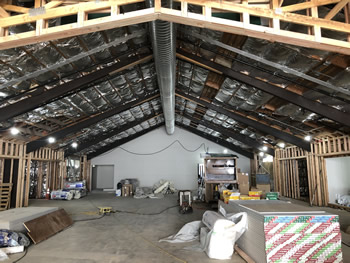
[(188, 233)]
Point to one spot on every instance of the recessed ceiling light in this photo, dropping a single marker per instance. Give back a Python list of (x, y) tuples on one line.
[(74, 144), (281, 144), (308, 138), (261, 154), (264, 148), (51, 139), (225, 150), (14, 131)]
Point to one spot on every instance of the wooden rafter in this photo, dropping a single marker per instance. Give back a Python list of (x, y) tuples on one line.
[(307, 5), (206, 19), (336, 9)]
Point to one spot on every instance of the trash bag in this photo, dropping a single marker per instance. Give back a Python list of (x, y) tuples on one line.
[(10, 238)]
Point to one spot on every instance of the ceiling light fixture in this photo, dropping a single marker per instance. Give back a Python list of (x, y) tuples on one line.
[(264, 148), (51, 139), (281, 144), (74, 144), (308, 138), (14, 131), (225, 151), (261, 154)]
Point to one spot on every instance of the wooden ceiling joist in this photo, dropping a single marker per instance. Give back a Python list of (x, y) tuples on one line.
[(230, 133), (217, 140), (250, 122), (122, 141), (103, 136), (206, 19), (65, 89), (34, 145), (313, 106)]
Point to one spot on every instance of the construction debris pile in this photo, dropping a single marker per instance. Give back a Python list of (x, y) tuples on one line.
[(71, 190)]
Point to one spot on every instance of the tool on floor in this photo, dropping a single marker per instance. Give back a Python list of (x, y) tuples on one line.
[(185, 200), (105, 210)]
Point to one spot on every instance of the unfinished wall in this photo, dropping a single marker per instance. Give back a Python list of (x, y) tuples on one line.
[(174, 164), (338, 173)]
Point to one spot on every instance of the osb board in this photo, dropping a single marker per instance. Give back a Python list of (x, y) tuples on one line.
[(46, 226)]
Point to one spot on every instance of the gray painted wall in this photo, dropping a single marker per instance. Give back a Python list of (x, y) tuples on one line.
[(173, 164), (338, 175), (105, 176)]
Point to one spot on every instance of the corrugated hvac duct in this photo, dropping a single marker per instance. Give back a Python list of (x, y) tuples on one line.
[(163, 37)]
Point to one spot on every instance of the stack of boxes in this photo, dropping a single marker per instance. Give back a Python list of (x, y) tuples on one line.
[(127, 190), (229, 195)]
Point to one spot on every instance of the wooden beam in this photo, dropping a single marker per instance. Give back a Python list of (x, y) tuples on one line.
[(3, 13), (217, 140), (53, 4), (267, 13), (313, 106), (336, 9), (14, 8), (105, 135), (34, 145), (252, 123), (230, 133), (70, 30), (201, 20), (257, 31), (307, 5), (42, 98)]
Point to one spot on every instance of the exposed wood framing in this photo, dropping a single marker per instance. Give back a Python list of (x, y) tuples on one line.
[(42, 98), (286, 168), (230, 133), (93, 141), (47, 164), (205, 19), (217, 141), (250, 122), (34, 145), (86, 171), (15, 152), (313, 106)]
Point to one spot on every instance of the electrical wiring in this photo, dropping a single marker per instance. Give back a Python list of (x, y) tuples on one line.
[(159, 151), (135, 213), (25, 253), (89, 219)]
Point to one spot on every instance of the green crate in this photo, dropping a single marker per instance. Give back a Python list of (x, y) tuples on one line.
[(272, 195)]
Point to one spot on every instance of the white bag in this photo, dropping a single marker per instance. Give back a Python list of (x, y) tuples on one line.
[(221, 239)]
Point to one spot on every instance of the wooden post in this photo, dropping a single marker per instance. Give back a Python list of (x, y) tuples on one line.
[(26, 198), (40, 179)]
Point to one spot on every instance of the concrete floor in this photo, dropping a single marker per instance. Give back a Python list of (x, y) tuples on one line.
[(124, 237), (120, 237)]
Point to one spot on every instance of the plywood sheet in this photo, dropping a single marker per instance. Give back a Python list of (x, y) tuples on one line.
[(46, 226)]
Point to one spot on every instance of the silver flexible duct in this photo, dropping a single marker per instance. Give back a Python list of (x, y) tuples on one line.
[(164, 49)]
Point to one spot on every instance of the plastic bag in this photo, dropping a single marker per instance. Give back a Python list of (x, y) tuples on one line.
[(10, 238), (220, 241), (187, 233)]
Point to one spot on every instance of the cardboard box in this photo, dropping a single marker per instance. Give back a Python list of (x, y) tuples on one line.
[(245, 197), (127, 190), (265, 188), (255, 193), (243, 183)]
